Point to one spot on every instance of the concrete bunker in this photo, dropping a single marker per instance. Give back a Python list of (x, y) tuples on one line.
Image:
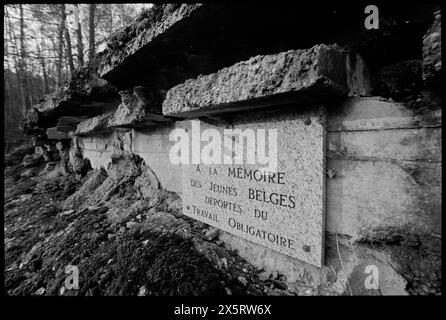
[(370, 97)]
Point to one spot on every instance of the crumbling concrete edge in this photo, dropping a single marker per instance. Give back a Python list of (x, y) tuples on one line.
[(111, 60), (94, 126), (313, 74)]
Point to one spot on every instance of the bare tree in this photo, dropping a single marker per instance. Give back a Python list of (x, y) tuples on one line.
[(80, 45), (39, 44), (46, 86), (29, 87), (67, 39), (22, 64), (16, 63), (91, 49), (60, 32)]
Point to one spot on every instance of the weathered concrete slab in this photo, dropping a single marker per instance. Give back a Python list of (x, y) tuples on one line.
[(139, 107), (165, 47), (95, 125), (422, 144), (53, 133), (285, 211), (84, 95), (405, 194), (376, 113), (69, 123), (135, 37), (308, 75), (97, 151)]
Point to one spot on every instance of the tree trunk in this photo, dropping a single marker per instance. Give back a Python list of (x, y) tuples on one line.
[(60, 48), (91, 49), (22, 65), (46, 87), (40, 50), (16, 64), (53, 65), (80, 45), (69, 52), (29, 88)]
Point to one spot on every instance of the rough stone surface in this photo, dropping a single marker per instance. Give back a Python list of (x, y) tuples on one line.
[(358, 75), (84, 84), (388, 149), (127, 238), (95, 125), (123, 170), (16, 154), (77, 162), (406, 163), (299, 216), (101, 149), (96, 178), (416, 257), (425, 145), (53, 133), (432, 51), (398, 230), (140, 106), (146, 182), (314, 73), (31, 160), (69, 123), (377, 113), (142, 32), (84, 95)]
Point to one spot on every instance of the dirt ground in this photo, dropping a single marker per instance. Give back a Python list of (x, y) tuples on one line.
[(124, 239)]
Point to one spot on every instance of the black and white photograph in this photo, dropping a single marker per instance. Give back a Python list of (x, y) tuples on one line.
[(222, 149)]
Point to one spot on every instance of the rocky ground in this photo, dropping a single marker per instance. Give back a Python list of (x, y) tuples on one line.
[(125, 235)]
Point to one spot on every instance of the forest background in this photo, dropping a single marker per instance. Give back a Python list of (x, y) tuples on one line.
[(45, 43)]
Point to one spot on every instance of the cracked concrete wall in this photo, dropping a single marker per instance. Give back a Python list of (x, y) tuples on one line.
[(152, 145), (383, 183), (383, 173), (383, 188)]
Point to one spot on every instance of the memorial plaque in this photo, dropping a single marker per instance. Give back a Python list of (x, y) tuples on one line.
[(282, 209)]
